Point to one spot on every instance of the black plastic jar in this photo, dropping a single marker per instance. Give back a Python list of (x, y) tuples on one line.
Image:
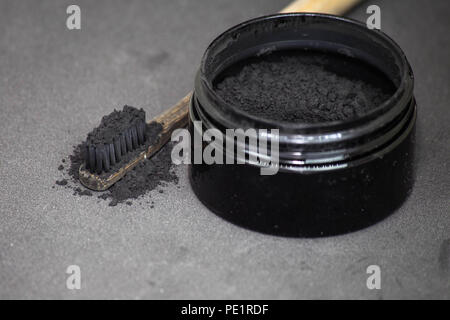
[(334, 177)]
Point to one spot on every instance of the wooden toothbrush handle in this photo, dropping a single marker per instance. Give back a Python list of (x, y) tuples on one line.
[(336, 7), (176, 116)]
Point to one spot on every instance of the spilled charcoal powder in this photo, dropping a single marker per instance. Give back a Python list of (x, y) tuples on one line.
[(303, 86), (146, 176), (62, 182)]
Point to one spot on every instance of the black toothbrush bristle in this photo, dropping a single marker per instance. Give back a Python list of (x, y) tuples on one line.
[(119, 133)]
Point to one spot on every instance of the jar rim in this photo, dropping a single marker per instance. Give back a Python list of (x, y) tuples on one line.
[(405, 87)]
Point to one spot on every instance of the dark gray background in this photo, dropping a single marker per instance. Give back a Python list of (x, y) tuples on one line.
[(56, 84)]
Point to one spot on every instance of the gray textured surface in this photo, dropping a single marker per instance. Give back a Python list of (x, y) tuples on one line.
[(56, 84)]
